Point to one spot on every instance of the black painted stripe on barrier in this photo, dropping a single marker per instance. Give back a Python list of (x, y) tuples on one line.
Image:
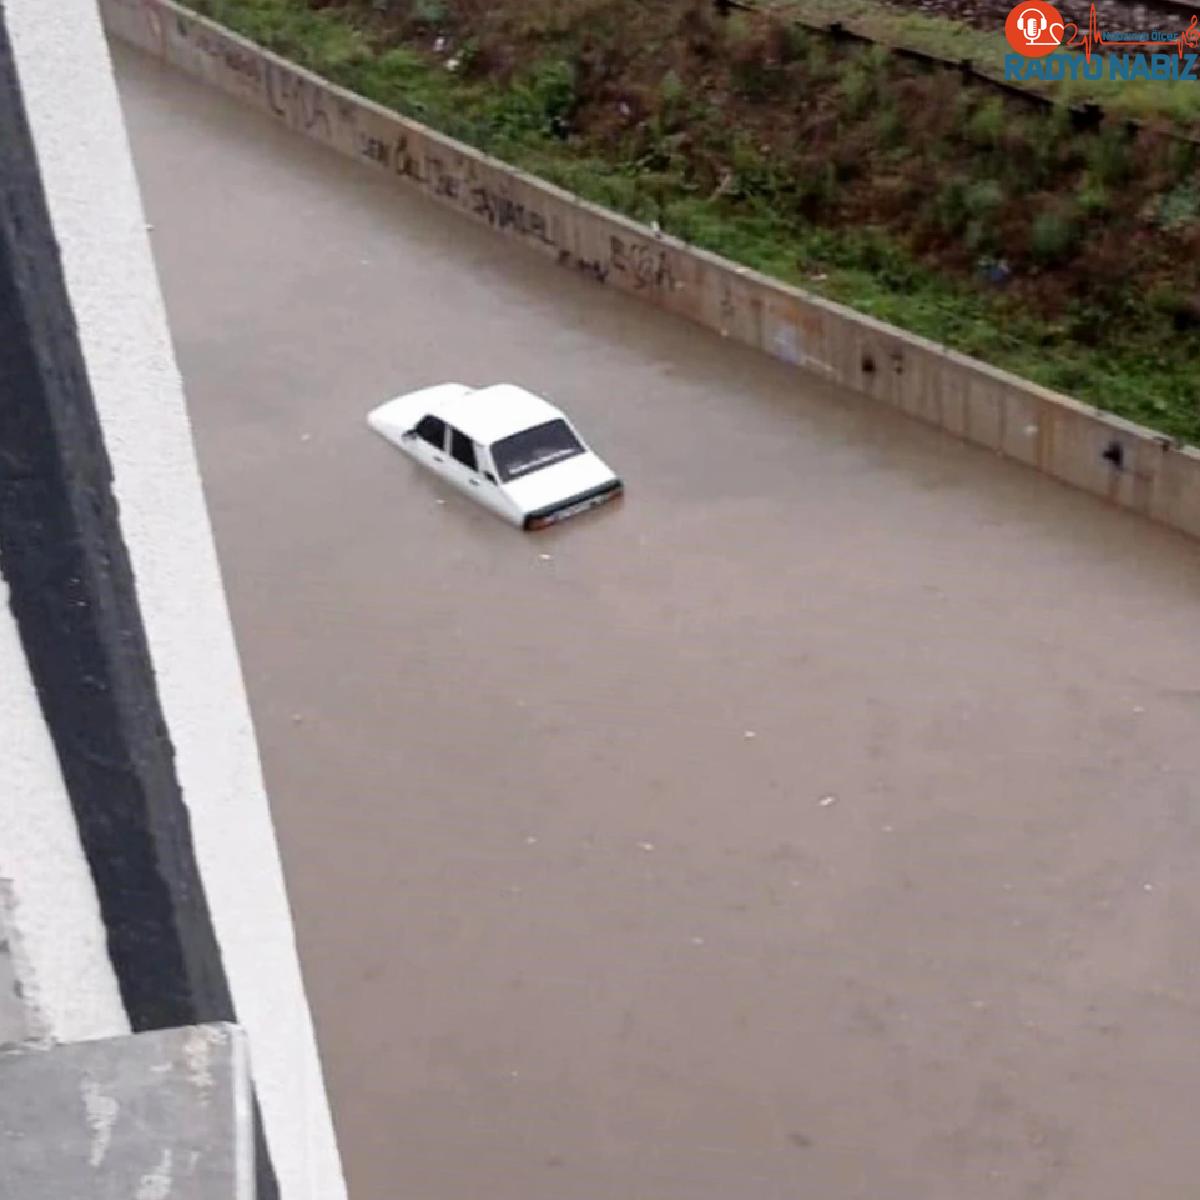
[(72, 593)]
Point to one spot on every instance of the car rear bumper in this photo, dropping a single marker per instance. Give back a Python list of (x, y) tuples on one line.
[(573, 505)]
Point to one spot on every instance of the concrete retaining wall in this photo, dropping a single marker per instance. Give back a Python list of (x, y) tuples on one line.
[(1072, 442)]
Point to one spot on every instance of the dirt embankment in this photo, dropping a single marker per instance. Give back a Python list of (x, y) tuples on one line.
[(1082, 225)]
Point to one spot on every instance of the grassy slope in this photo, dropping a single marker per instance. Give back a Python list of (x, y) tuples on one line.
[(1138, 368)]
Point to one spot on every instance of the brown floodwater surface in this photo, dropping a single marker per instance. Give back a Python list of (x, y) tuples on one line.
[(821, 821)]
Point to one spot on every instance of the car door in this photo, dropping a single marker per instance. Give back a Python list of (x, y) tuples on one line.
[(490, 492), (470, 470), (428, 443), (462, 464)]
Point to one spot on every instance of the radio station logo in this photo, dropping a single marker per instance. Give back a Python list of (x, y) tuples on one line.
[(1034, 28), (1042, 41)]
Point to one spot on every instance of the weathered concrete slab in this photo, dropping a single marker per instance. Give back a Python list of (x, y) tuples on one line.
[(153, 1116)]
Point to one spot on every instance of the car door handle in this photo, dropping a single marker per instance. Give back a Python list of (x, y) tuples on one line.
[(438, 458), (474, 482)]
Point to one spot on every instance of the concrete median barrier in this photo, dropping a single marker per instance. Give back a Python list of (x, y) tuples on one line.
[(1128, 465)]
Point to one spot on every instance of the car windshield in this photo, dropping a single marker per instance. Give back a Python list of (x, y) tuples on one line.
[(532, 449)]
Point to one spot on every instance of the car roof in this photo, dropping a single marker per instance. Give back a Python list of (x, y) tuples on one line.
[(488, 414)]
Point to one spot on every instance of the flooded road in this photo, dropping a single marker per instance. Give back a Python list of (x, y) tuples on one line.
[(820, 822)]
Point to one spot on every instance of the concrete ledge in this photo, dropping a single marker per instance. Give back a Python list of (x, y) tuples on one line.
[(156, 1116), (1072, 442)]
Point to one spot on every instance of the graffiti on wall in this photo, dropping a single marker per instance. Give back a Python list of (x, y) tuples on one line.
[(592, 268), (237, 60), (297, 100), (728, 308), (640, 264), (649, 266), (504, 213)]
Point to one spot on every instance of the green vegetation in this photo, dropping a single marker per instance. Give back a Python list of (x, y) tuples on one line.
[(862, 217), (1055, 234)]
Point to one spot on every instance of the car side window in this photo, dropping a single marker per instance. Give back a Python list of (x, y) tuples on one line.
[(463, 449), (433, 431)]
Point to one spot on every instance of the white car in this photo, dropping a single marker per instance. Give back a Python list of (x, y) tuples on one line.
[(505, 447)]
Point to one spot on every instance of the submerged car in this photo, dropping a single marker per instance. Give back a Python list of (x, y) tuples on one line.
[(505, 447)]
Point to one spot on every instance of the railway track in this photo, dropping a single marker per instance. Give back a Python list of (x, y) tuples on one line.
[(1178, 8), (1111, 14)]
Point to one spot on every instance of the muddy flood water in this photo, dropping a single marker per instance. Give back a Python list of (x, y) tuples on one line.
[(821, 822)]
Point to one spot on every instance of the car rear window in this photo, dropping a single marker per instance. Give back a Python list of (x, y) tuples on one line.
[(532, 449)]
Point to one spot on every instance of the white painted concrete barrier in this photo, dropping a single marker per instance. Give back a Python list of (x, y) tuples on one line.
[(50, 915), (1073, 442)]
